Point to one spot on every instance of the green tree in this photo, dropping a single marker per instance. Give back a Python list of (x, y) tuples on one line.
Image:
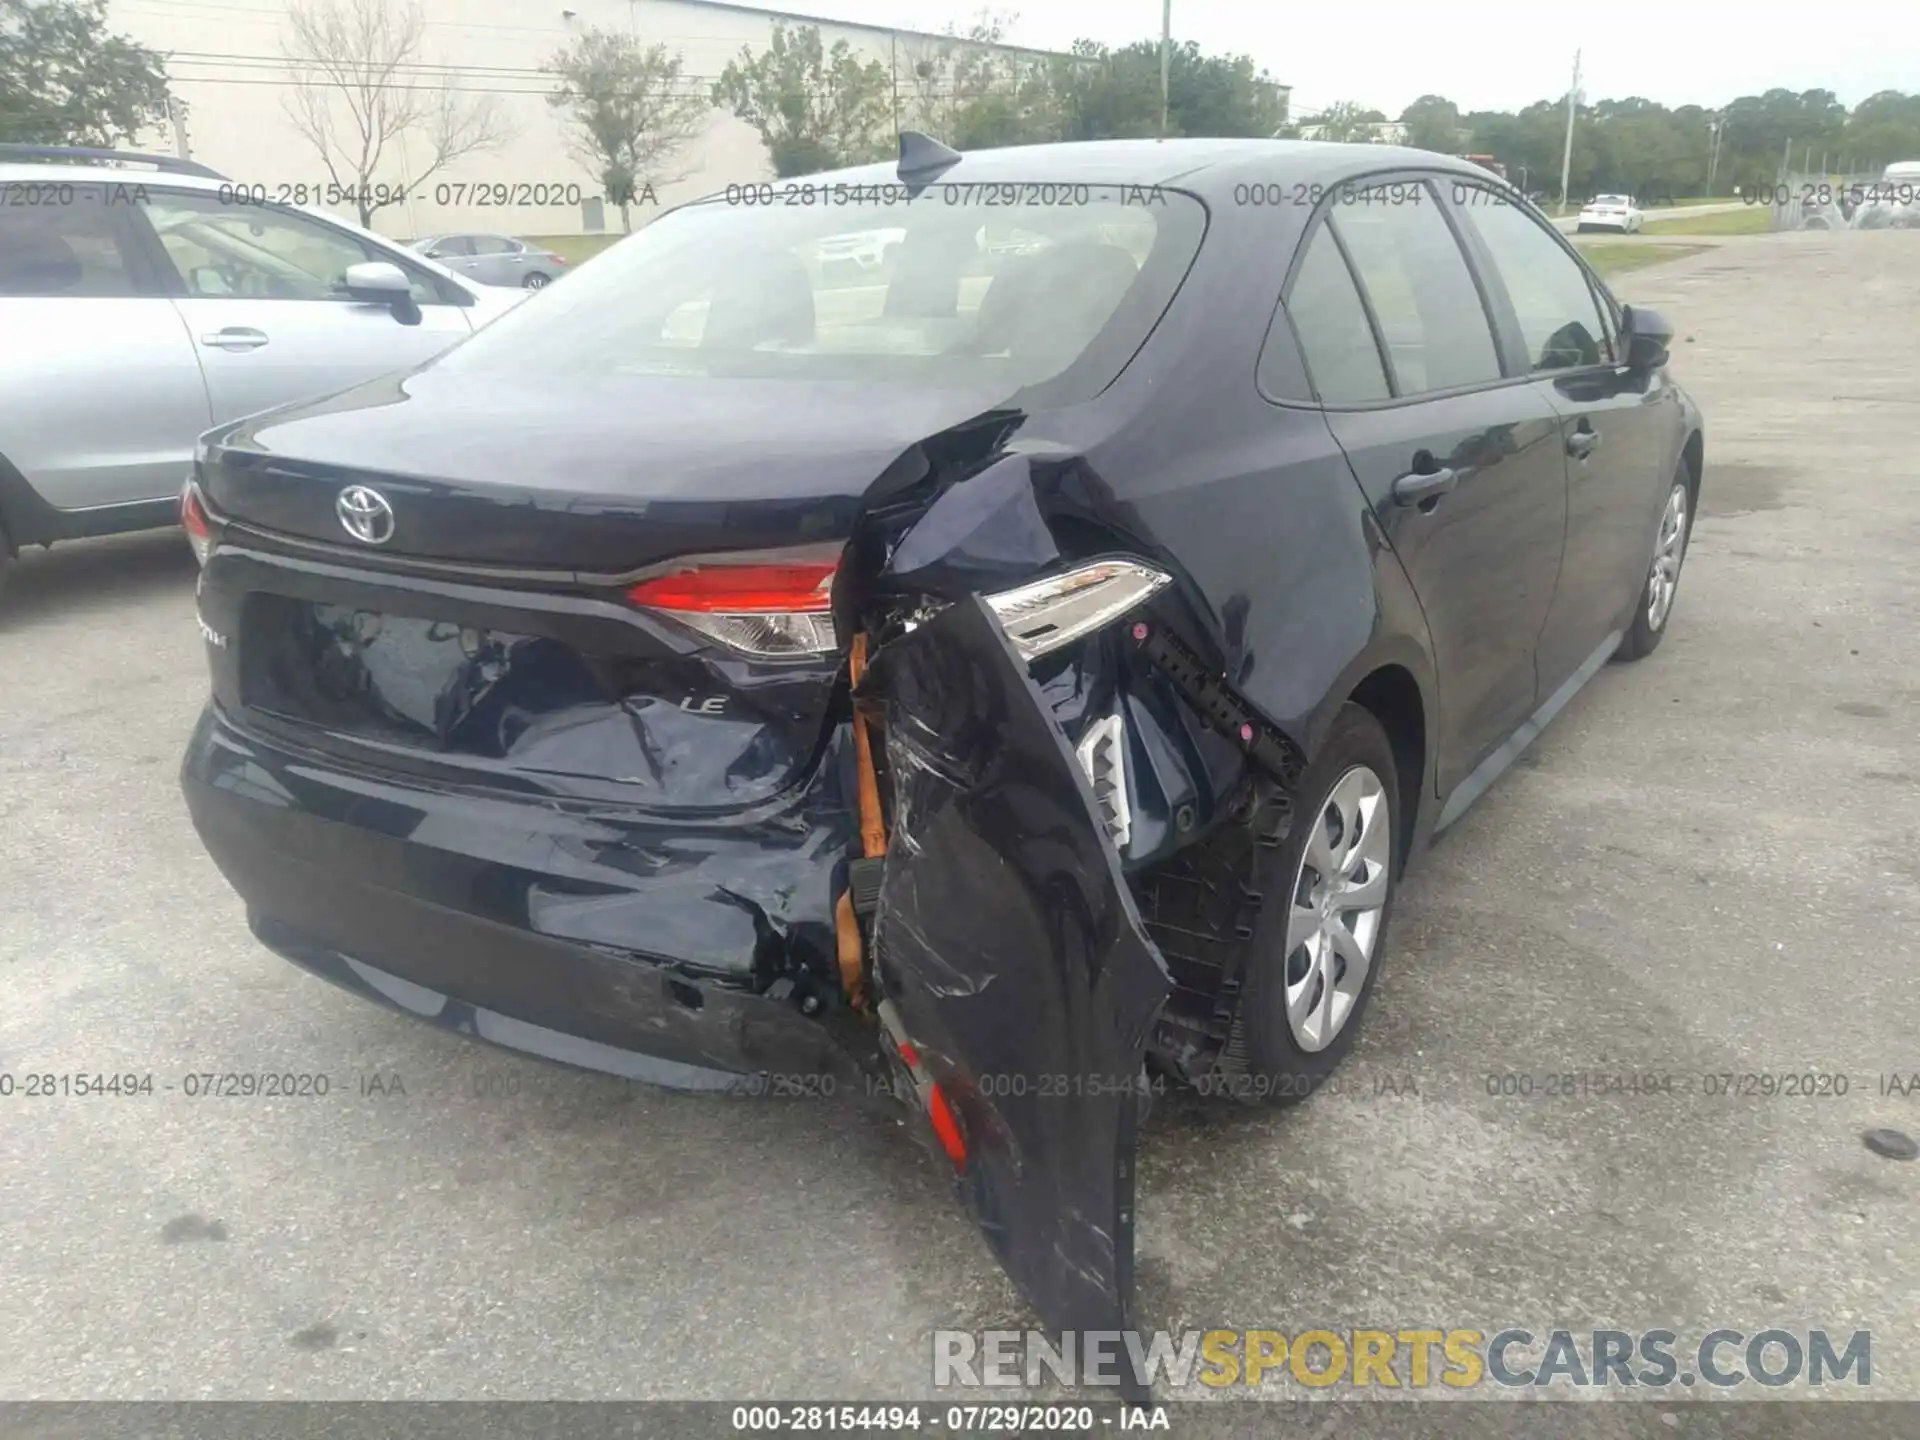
[(1104, 94), (974, 94), (815, 108), (625, 112), (1343, 121), (1882, 129), (1433, 123), (1215, 94), (65, 79)]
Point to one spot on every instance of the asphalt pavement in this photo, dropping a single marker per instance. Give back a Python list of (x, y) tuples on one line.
[(1709, 866)]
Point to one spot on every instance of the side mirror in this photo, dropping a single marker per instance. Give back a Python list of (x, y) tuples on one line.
[(1644, 338), (381, 282)]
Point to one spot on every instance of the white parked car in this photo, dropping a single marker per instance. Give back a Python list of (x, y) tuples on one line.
[(1893, 203), (144, 299), (858, 252), (1611, 212)]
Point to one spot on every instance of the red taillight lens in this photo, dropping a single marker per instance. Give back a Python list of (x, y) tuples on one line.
[(193, 519), (778, 610), (741, 590)]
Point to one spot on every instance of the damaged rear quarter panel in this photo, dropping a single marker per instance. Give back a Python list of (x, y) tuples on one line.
[(1008, 943)]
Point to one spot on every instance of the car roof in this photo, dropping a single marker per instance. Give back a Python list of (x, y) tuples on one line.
[(1209, 167), (29, 171)]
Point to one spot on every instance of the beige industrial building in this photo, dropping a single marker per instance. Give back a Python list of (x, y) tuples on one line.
[(230, 70)]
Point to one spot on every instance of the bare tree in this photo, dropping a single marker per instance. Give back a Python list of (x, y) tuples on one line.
[(626, 113), (362, 57)]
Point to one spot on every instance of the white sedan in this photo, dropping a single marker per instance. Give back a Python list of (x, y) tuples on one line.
[(1611, 212)]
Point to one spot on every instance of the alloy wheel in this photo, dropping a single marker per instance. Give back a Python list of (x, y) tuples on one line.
[(1339, 901), (1668, 551)]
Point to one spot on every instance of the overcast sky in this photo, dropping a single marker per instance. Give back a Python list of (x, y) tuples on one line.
[(1487, 54)]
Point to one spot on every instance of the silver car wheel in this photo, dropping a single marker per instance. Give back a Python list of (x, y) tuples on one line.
[(1668, 551), (536, 282), (1339, 901)]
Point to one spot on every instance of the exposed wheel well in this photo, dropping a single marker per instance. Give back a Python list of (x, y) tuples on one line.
[(1392, 695)]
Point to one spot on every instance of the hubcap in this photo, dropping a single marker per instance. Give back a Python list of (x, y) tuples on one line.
[(1339, 897), (1668, 551)]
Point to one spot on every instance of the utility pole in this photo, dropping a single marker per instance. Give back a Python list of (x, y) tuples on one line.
[(177, 115), (893, 70), (1166, 55), (1714, 127), (1566, 156)]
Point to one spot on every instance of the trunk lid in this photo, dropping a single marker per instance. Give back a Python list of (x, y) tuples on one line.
[(435, 574), (601, 477)]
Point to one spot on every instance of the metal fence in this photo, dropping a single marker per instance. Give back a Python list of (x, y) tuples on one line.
[(1863, 201)]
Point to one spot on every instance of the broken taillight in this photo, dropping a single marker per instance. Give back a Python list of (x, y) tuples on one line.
[(774, 610), (193, 520), (1044, 615)]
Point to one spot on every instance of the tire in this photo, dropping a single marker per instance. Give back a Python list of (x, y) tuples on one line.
[(1270, 1058), (1579, 229), (535, 281), (1650, 615)]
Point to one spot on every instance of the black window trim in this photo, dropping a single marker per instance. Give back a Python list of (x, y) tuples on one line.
[(1399, 174), (1510, 332), (1284, 312), (174, 285)]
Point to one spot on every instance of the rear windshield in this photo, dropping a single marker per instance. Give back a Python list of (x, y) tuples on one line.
[(1001, 287)]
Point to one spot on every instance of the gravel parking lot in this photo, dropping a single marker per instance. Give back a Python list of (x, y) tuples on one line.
[(1709, 866)]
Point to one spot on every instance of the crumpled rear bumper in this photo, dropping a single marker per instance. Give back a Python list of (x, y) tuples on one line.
[(496, 916)]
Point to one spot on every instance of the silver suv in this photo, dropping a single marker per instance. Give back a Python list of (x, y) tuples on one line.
[(142, 306)]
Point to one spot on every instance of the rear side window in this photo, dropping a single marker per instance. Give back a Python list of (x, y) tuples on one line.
[(1342, 359), (494, 245), (60, 239), (1422, 293), (1560, 320)]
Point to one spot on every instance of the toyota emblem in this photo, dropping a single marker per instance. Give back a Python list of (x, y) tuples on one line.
[(365, 514)]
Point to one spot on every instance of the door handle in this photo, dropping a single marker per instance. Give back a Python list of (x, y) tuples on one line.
[(1423, 485), (1583, 442), (235, 337)]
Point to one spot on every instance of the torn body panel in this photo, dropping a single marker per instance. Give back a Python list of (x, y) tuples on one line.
[(1008, 943)]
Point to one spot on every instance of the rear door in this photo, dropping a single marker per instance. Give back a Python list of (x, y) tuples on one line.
[(498, 260), (1012, 965), (100, 394), (1462, 464), (453, 251), (1621, 432), (259, 289)]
